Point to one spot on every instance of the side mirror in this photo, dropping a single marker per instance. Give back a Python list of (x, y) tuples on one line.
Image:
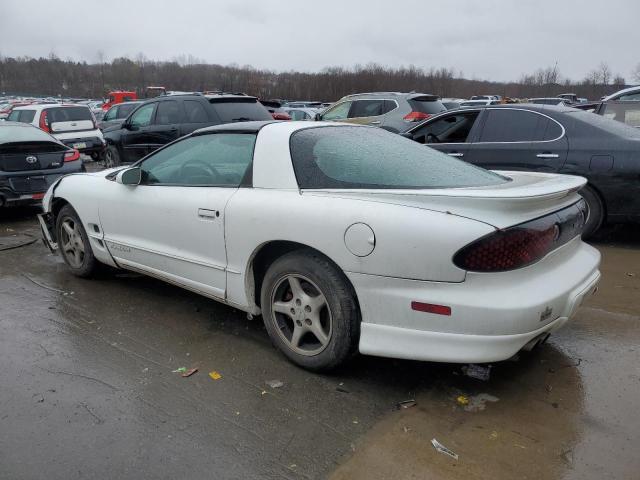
[(318, 117), (129, 176)]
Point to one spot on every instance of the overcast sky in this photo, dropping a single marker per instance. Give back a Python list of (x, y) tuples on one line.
[(485, 39)]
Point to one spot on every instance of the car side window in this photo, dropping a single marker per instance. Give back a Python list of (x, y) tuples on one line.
[(506, 125), (297, 115), (366, 108), (448, 129), (630, 96), (195, 112), (168, 113), (220, 159), (339, 112), (142, 116), (110, 115), (388, 106)]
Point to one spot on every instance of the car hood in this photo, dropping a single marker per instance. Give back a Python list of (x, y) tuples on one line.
[(528, 195)]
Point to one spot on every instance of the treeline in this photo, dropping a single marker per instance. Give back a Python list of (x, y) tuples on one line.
[(53, 76)]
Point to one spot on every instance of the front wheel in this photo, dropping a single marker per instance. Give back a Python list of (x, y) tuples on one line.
[(73, 243), (310, 311), (111, 157)]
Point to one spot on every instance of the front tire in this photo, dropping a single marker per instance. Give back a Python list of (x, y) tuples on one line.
[(595, 216), (112, 157), (310, 311), (73, 243)]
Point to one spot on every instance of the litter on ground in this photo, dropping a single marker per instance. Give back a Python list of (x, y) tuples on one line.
[(444, 450), (215, 375)]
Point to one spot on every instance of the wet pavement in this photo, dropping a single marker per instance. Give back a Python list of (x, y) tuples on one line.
[(87, 389)]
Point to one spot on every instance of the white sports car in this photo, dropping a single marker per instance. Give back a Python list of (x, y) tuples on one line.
[(345, 238)]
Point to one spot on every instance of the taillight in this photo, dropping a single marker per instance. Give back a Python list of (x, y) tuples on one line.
[(44, 121), (416, 116), (71, 156), (280, 116), (523, 244)]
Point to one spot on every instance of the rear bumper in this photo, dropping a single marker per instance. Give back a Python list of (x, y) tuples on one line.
[(28, 188), (493, 316), (92, 144)]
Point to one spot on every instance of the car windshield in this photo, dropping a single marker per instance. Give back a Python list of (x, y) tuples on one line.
[(356, 157)]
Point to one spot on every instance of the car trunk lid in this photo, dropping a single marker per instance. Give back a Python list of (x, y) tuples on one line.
[(69, 119), (528, 195), (31, 156)]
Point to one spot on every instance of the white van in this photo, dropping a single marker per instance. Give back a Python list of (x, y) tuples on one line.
[(74, 125)]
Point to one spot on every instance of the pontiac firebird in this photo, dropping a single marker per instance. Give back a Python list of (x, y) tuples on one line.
[(344, 238)]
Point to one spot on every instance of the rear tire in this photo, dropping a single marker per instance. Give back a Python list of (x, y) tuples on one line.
[(111, 157), (73, 243), (595, 216), (310, 311)]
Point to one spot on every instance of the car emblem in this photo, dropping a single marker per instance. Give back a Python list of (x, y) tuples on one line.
[(31, 159)]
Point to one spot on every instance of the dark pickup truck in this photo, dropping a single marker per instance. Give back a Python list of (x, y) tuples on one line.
[(163, 119)]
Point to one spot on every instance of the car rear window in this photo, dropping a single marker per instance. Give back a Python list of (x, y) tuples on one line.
[(12, 134), (68, 114), (239, 109), (372, 158), (23, 116), (427, 104)]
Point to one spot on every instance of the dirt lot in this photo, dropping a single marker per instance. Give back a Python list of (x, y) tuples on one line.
[(87, 389)]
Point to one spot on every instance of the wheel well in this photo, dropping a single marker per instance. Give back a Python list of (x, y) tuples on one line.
[(269, 253), (596, 191), (56, 206)]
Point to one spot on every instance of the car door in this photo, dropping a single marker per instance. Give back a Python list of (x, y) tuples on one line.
[(519, 139), (135, 138), (450, 133), (171, 225), (337, 113), (165, 126)]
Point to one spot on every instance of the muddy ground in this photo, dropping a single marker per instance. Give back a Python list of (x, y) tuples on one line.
[(87, 389)]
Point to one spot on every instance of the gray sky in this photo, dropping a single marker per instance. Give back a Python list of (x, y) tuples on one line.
[(485, 39)]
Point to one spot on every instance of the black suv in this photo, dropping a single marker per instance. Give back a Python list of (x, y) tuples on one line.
[(166, 118)]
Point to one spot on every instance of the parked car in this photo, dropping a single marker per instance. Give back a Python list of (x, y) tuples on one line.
[(546, 138), (276, 110), (452, 103), (476, 103), (303, 104), (422, 257), (73, 125), (548, 101), (7, 108), (625, 111), (631, 93), (393, 111), (116, 114), (168, 117), (30, 161), (484, 97), (302, 113), (569, 97)]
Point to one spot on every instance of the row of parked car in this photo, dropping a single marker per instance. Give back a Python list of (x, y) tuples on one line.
[(540, 137)]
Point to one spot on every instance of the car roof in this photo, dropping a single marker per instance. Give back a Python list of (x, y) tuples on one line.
[(248, 127), (288, 125), (42, 106)]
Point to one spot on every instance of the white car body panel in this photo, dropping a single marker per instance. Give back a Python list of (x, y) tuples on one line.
[(160, 230)]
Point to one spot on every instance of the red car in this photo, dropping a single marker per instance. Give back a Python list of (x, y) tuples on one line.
[(118, 97)]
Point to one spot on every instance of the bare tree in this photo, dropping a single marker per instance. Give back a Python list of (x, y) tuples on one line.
[(605, 73)]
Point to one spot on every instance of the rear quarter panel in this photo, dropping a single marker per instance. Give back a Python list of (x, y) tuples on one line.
[(410, 242)]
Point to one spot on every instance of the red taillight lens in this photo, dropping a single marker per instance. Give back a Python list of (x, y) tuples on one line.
[(44, 122), (522, 244), (72, 156), (415, 116), (280, 116)]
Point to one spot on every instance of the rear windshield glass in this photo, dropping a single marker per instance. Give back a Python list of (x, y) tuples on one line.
[(68, 114), (356, 157), (24, 116), (240, 110), (11, 134), (427, 105)]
